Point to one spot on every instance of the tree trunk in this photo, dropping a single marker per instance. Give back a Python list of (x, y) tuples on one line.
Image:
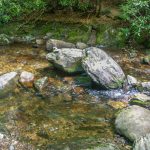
[(98, 7)]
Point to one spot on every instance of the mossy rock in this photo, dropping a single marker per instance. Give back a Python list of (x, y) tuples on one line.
[(140, 100), (67, 60), (140, 103)]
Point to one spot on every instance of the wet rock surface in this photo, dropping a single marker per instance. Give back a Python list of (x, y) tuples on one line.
[(104, 71), (67, 60), (142, 143), (133, 122)]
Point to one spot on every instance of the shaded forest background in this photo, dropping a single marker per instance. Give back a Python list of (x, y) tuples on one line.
[(134, 16)]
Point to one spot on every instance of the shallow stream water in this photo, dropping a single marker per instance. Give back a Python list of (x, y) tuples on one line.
[(63, 119)]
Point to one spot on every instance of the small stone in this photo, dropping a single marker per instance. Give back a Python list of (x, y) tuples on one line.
[(146, 85), (52, 43), (67, 97), (68, 80), (117, 104), (78, 90), (131, 80), (40, 84), (1, 136), (11, 147), (40, 41), (81, 45), (27, 79), (48, 36)]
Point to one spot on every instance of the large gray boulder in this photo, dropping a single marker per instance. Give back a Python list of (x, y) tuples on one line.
[(8, 83), (142, 143), (52, 43), (133, 122), (104, 71), (67, 59)]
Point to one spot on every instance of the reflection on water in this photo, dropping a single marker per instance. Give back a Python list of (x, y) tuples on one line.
[(55, 121)]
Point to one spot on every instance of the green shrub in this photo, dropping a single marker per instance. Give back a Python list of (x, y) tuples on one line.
[(78, 4), (13, 8), (137, 14)]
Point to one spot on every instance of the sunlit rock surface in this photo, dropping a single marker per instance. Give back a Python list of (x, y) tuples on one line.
[(104, 71), (67, 59), (142, 143), (133, 122), (52, 43)]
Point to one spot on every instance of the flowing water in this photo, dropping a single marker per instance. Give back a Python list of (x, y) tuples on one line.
[(68, 116)]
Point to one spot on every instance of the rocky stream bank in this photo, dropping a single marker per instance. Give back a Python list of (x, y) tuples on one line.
[(62, 95)]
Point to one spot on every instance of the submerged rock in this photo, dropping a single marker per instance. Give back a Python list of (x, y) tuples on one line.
[(142, 143), (27, 79), (67, 60), (41, 83), (133, 122), (8, 83), (104, 71), (52, 43), (104, 147), (117, 104)]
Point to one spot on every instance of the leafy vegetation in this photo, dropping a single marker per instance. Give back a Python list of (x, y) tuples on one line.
[(137, 15), (9, 9)]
